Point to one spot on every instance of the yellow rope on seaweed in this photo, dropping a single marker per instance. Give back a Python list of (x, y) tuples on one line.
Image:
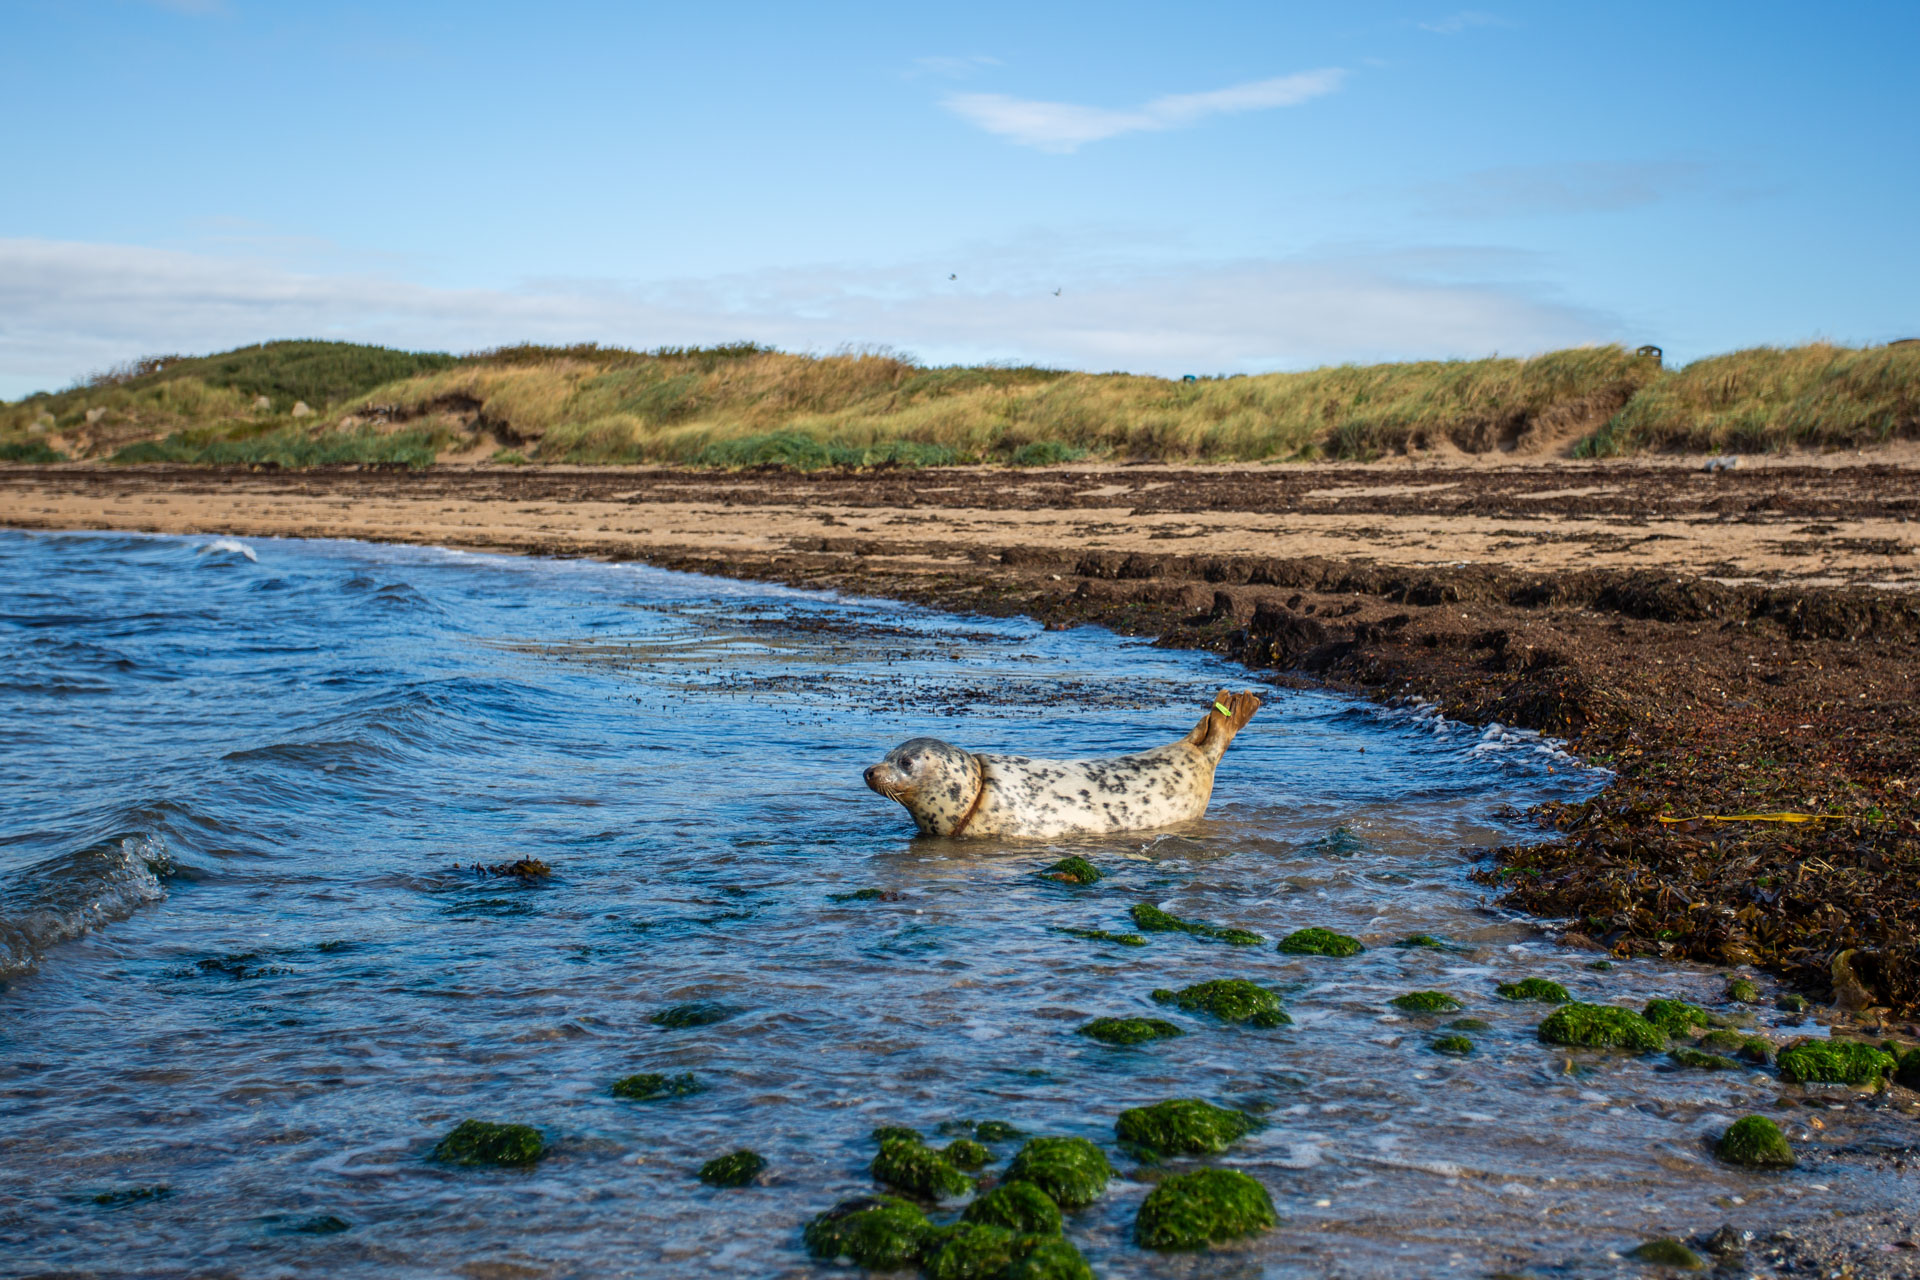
[(1756, 817)]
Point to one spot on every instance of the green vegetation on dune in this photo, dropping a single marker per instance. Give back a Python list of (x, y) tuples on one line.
[(744, 405)]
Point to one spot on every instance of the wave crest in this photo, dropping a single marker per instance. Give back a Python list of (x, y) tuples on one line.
[(60, 899)]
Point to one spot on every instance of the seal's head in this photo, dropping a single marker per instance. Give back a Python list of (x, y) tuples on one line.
[(938, 783)]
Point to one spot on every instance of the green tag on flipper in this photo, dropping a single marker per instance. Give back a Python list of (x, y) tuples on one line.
[(1223, 711)]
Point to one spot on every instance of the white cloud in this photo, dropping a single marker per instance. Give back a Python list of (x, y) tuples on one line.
[(67, 309), (1066, 126), (952, 68), (1454, 23)]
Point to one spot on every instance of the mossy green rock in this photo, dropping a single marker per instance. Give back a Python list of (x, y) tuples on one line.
[(876, 1232), (1469, 1024), (1755, 1142), (480, 1142), (649, 1086), (1183, 1127), (1151, 919), (1792, 1002), (1193, 1210), (1050, 1258), (1667, 1252), (1320, 942), (895, 1132), (1107, 935), (965, 1153), (1601, 1026), (1458, 1046), (998, 1131), (1017, 1206), (919, 1170), (1075, 871), (970, 1251), (1834, 1062), (1072, 1171), (1536, 989), (1426, 940), (1676, 1017), (1426, 1002), (1906, 1069), (1743, 991), (735, 1169), (1130, 1030), (1721, 1041), (1230, 1000), (1699, 1061), (699, 1013)]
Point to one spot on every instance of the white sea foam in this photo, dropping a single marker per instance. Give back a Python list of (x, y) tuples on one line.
[(228, 546)]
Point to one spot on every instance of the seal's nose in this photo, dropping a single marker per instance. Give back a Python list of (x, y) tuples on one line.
[(872, 775)]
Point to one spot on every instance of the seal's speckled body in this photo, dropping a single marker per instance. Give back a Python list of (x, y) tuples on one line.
[(951, 792)]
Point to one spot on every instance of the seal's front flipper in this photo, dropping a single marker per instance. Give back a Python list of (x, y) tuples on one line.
[(1226, 717)]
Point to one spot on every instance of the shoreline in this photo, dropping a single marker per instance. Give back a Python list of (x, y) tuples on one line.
[(1727, 643)]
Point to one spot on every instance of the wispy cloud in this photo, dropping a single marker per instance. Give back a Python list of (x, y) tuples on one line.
[(1466, 20), (1066, 126), (1592, 187), (69, 308)]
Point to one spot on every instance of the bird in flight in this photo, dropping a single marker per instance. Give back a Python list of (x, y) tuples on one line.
[(953, 277), (1056, 293)]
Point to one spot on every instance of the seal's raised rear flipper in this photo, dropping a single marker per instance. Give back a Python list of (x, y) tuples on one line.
[(1227, 716)]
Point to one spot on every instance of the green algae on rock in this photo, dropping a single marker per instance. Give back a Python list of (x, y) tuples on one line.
[(895, 1132), (1426, 1002), (1792, 1002), (1601, 1026), (133, 1195), (880, 1233), (1699, 1061), (1667, 1252), (481, 1142), (969, 1251), (1834, 1062), (650, 1086), (1676, 1017), (1459, 1046), (1125, 1031), (1743, 991), (1427, 940), (1075, 871), (1050, 1258), (965, 1153), (698, 1013), (1017, 1206), (1072, 1171), (1151, 919), (1906, 1069), (918, 1170), (1535, 989), (735, 1169), (1000, 1130), (1755, 1142), (1230, 1000), (1193, 1210), (1469, 1024), (1320, 942), (1107, 935), (1183, 1127)]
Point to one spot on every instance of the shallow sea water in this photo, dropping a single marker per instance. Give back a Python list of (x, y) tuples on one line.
[(252, 976)]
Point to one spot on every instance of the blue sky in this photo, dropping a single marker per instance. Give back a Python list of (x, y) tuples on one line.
[(1210, 187)]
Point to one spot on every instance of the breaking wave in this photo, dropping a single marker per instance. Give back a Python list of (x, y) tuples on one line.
[(64, 897)]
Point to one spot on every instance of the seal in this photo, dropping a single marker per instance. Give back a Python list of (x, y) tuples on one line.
[(952, 792)]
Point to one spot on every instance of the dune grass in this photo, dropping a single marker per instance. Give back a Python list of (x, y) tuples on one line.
[(744, 405), (1771, 398)]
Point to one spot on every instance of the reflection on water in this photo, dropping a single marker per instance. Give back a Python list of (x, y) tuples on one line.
[(256, 975)]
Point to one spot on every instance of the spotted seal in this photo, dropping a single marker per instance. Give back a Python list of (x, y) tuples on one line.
[(951, 792)]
